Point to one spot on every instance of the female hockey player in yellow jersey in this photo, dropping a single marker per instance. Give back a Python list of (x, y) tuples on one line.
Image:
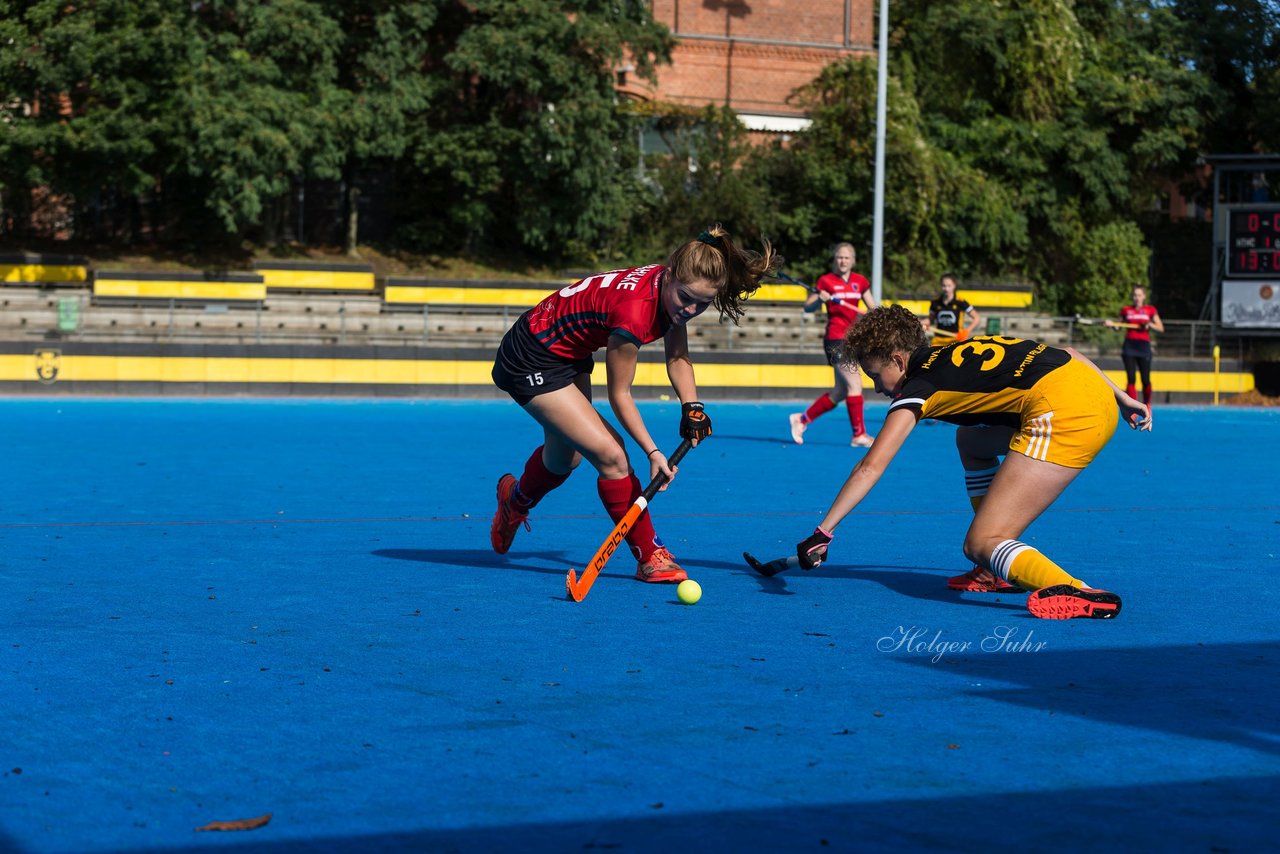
[(1047, 411)]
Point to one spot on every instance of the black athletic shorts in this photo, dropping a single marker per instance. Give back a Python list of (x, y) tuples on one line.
[(1136, 349), (524, 368), (832, 347)]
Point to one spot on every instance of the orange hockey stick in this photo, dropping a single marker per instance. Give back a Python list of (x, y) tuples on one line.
[(579, 587)]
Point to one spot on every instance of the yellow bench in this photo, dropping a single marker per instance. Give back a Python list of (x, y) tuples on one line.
[(301, 275), (216, 287), (410, 291), (43, 269), (980, 297)]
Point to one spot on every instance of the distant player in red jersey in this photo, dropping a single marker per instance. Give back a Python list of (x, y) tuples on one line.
[(843, 292), (1138, 320), (545, 363), (1046, 411)]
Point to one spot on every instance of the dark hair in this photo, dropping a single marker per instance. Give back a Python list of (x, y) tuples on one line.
[(951, 276), (713, 256), (881, 332)]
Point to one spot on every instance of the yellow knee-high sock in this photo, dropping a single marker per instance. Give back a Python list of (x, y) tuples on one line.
[(1022, 565)]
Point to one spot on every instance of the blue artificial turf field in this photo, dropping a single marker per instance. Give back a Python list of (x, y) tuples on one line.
[(215, 610)]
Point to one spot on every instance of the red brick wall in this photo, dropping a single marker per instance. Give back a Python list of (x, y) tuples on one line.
[(751, 54)]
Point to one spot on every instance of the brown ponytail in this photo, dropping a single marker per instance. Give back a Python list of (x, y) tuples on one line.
[(714, 256)]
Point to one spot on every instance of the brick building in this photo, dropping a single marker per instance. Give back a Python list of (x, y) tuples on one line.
[(751, 54)]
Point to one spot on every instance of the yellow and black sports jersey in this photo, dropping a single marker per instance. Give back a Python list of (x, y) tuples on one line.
[(980, 381), (946, 315)]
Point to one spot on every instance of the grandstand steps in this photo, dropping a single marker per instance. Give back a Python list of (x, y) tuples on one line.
[(767, 327), (32, 314)]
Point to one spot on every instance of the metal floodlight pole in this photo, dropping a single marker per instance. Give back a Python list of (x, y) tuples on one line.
[(877, 243)]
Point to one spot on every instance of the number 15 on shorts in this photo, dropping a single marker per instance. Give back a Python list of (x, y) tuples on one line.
[(534, 379)]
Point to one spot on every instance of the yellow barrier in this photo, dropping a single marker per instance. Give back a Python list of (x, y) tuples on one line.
[(38, 365), (324, 277), (463, 296), (189, 286), (409, 291), (52, 269)]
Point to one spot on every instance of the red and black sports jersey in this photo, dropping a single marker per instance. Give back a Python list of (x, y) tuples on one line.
[(578, 319), (1141, 315), (845, 297), (983, 380)]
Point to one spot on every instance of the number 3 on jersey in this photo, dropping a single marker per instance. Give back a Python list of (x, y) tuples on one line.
[(988, 351)]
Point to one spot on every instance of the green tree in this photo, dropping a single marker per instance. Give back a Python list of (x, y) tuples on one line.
[(253, 89), (823, 182), (1109, 260), (1234, 45), (1062, 117), (709, 173), (383, 88), (87, 111), (526, 147)]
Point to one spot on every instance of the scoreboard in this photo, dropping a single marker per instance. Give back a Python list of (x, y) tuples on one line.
[(1253, 243)]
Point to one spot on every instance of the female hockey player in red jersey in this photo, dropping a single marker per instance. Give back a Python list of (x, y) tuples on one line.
[(545, 363)]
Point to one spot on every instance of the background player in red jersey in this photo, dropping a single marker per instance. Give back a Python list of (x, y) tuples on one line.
[(545, 363), (1138, 320), (841, 291), (1047, 411)]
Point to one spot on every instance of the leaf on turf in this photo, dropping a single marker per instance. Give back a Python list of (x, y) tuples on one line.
[(237, 824)]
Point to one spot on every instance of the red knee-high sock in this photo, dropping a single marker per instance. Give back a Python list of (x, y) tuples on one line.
[(854, 404), (1131, 390), (618, 496), (820, 406), (536, 481), (1146, 395)]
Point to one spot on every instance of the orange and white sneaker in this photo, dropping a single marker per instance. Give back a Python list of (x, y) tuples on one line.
[(797, 427), (862, 440), (1065, 602), (979, 580), (507, 520), (660, 568)]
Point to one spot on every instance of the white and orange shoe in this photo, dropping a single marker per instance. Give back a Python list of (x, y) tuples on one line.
[(862, 440), (797, 427)]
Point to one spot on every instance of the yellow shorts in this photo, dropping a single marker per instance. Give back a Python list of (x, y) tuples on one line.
[(1068, 416)]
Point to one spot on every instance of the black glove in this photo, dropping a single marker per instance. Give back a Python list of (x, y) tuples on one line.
[(694, 423), (812, 551)]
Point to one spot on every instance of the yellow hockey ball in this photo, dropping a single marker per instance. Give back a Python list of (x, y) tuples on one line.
[(689, 591)]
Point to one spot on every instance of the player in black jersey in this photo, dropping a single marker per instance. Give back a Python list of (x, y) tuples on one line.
[(1047, 411), (950, 317)]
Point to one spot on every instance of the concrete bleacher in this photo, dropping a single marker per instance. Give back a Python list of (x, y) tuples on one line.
[(775, 350), (234, 308), (326, 303)]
